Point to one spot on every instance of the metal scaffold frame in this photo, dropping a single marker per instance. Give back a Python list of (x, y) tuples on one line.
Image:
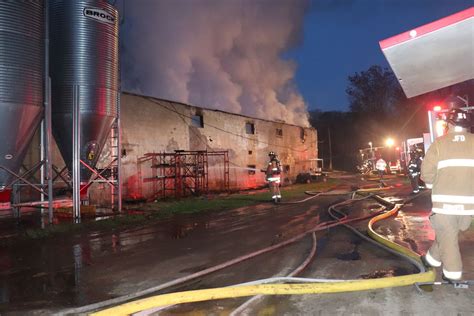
[(181, 173)]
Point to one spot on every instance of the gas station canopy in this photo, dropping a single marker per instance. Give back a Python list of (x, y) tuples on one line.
[(433, 56)]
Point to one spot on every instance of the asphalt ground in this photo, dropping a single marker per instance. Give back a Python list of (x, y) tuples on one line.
[(49, 276)]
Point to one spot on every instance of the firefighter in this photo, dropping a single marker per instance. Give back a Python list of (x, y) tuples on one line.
[(414, 167), (273, 176), (448, 168), (381, 165)]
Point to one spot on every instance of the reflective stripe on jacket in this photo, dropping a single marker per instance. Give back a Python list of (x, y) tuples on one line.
[(448, 168), (274, 179)]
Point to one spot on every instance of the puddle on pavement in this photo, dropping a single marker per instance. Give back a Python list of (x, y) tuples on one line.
[(385, 273), (321, 244), (31, 279), (211, 308), (182, 231), (353, 255), (348, 256), (412, 243), (373, 207), (356, 241), (194, 269), (393, 199), (37, 273)]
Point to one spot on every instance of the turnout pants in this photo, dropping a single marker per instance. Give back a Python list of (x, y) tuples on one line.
[(380, 174), (415, 183), (275, 189), (445, 248)]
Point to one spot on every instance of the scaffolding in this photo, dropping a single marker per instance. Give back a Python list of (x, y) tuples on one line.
[(182, 173)]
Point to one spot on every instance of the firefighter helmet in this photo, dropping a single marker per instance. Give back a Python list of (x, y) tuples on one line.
[(271, 154)]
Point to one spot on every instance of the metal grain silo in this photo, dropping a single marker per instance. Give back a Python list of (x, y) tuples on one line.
[(83, 58), (21, 80)]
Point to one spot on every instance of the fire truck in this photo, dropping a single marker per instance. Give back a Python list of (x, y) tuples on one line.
[(368, 158)]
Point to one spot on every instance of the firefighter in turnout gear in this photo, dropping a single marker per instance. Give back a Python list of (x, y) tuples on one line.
[(448, 168), (414, 167), (381, 166), (273, 176)]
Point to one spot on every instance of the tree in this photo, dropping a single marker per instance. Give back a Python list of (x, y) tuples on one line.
[(381, 108), (378, 109), (375, 91)]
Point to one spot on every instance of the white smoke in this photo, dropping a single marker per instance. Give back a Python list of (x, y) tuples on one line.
[(223, 54)]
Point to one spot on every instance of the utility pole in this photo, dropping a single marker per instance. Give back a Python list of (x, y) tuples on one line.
[(330, 149)]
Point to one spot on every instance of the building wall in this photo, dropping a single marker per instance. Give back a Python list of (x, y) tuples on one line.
[(153, 125)]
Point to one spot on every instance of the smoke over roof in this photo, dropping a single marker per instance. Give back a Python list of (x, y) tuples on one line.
[(219, 54)]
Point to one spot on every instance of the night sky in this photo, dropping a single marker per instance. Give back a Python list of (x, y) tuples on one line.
[(341, 37)]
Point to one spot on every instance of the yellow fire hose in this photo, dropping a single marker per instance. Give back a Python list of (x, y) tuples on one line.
[(385, 241), (283, 289), (263, 289), (374, 189)]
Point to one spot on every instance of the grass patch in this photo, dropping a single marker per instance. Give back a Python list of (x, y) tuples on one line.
[(162, 209), (232, 201)]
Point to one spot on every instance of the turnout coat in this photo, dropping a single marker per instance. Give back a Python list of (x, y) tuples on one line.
[(448, 168)]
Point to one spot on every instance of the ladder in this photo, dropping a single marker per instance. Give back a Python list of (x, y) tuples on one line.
[(115, 155)]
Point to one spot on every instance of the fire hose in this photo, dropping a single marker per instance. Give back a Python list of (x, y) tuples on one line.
[(121, 299), (278, 289)]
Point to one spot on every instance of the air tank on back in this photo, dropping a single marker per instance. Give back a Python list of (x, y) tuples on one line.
[(21, 80), (83, 54)]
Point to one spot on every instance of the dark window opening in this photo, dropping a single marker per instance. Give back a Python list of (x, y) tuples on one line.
[(250, 152), (197, 121), (279, 132), (302, 134), (249, 128), (287, 168), (251, 169)]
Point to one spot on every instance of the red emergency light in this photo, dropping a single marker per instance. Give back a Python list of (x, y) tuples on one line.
[(437, 108)]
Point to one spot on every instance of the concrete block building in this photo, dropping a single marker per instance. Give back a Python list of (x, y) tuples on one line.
[(155, 125), (151, 125)]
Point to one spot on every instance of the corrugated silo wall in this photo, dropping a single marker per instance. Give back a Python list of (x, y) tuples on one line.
[(154, 125)]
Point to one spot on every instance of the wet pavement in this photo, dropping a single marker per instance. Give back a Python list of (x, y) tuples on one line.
[(40, 277)]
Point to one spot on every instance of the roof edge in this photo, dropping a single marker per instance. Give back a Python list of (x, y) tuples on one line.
[(214, 110), (427, 28)]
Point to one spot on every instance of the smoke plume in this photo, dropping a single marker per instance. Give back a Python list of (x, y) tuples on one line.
[(222, 54)]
